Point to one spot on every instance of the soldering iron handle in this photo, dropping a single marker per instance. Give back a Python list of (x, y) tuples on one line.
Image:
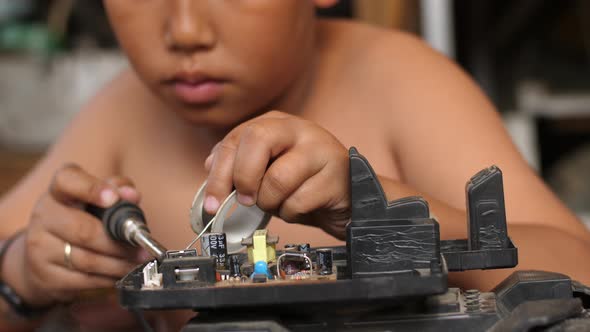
[(114, 217)]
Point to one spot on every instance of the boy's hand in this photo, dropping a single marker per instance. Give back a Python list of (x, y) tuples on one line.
[(41, 273), (285, 165)]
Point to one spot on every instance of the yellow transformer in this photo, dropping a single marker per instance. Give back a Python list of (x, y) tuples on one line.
[(261, 247)]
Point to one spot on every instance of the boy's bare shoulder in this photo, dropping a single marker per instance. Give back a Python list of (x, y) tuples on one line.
[(388, 60), (374, 48), (397, 78), (367, 38)]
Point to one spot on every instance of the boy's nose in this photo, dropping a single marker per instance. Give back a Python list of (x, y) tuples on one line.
[(187, 29)]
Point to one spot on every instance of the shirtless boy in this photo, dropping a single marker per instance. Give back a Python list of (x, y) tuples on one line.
[(195, 105)]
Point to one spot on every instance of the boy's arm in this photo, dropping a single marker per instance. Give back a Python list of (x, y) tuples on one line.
[(540, 247), (95, 140), (450, 131), (91, 142)]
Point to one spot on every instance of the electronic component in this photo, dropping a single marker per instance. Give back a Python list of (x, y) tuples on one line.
[(261, 269), (304, 247), (296, 264), (247, 269), (187, 274), (291, 247), (324, 261), (259, 278), (234, 266), (261, 246), (290, 267), (221, 275), (180, 272), (215, 245), (151, 277), (181, 253)]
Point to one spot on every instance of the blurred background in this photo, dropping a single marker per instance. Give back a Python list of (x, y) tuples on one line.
[(531, 57)]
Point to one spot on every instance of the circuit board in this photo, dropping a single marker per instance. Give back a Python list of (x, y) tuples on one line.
[(245, 291), (393, 252)]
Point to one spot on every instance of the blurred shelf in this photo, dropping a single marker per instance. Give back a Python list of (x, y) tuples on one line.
[(398, 14), (38, 98)]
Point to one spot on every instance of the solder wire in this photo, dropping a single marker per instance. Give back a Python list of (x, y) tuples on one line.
[(228, 202), (201, 233)]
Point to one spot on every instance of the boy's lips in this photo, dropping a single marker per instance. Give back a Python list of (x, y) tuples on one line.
[(203, 92), (196, 89)]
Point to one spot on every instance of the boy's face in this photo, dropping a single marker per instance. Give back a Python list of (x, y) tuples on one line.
[(217, 62)]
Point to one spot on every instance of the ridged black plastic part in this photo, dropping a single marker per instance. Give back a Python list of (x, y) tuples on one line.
[(488, 245), (369, 202), (486, 212), (385, 238)]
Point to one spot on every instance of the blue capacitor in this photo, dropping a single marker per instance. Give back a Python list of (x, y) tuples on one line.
[(261, 267)]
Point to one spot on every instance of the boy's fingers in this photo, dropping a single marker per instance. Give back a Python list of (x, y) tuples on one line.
[(275, 115), (129, 194), (220, 163), (82, 230), (125, 188), (120, 181), (71, 184), (208, 162), (307, 198), (259, 143), (284, 176), (219, 181), (67, 280), (89, 261), (209, 159)]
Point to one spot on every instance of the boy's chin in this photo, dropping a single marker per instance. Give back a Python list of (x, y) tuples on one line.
[(213, 115)]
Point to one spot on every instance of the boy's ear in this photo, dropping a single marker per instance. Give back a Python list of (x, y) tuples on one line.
[(325, 3)]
